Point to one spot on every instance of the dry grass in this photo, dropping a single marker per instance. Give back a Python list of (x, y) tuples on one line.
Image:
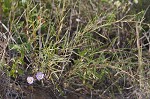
[(87, 48)]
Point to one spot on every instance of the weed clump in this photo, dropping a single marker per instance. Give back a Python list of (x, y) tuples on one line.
[(83, 49)]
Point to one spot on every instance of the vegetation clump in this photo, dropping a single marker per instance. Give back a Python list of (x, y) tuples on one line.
[(80, 49)]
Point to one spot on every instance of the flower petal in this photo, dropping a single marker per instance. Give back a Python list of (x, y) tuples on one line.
[(39, 75), (30, 80)]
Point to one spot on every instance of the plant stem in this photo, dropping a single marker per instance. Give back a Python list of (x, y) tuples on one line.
[(140, 65)]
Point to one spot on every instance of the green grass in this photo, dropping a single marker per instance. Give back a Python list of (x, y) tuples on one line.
[(85, 46)]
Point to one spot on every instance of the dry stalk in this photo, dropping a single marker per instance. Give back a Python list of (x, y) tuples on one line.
[(140, 65)]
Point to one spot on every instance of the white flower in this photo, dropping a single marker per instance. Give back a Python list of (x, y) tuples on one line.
[(78, 20), (39, 75), (30, 80)]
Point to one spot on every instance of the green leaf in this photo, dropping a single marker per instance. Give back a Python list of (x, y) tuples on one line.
[(17, 47), (7, 5), (20, 71)]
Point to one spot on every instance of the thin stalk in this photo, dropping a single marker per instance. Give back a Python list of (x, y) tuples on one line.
[(139, 47), (140, 65), (1, 15), (39, 33), (62, 17)]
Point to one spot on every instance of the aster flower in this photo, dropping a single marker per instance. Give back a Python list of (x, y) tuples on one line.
[(30, 80), (39, 75)]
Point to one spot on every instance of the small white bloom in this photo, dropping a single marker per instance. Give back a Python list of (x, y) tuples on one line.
[(78, 20), (30, 80), (39, 75), (16, 71)]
